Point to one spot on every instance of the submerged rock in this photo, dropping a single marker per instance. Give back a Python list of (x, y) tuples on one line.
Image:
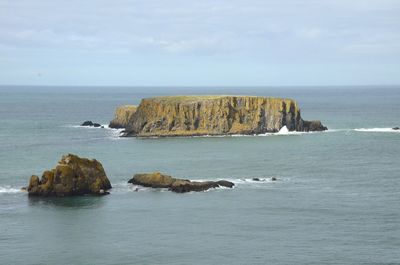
[(91, 124), (158, 180), (212, 115), (123, 115), (72, 176)]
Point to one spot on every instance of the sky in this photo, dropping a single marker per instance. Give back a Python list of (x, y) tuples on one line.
[(200, 43)]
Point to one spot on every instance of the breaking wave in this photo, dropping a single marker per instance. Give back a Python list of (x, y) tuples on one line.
[(112, 132), (9, 189)]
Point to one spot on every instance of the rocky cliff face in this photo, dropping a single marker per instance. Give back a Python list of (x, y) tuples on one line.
[(122, 116), (216, 115)]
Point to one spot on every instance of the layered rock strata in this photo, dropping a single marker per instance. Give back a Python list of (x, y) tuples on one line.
[(214, 115)]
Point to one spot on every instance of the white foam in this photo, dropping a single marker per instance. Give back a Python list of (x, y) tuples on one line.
[(112, 132), (245, 181), (283, 130), (9, 189), (377, 130)]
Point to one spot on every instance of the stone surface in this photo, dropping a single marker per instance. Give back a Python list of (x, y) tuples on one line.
[(158, 180), (72, 176), (123, 115), (215, 115), (312, 126), (90, 124)]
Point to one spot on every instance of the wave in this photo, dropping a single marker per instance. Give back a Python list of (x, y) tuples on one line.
[(9, 189), (112, 132), (390, 130)]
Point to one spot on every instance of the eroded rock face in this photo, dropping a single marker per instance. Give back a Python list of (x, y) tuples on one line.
[(216, 115), (158, 180), (123, 114), (72, 176)]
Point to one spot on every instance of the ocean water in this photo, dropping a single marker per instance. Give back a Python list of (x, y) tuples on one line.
[(336, 200)]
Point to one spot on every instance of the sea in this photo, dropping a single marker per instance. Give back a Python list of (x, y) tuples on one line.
[(336, 199)]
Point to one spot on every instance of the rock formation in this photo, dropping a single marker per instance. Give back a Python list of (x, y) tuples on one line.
[(91, 124), (72, 176), (214, 115), (158, 180), (396, 128), (123, 114)]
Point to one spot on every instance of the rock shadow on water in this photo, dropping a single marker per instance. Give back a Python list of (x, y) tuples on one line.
[(84, 202)]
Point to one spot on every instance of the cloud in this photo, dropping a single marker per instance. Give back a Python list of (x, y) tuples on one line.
[(230, 32)]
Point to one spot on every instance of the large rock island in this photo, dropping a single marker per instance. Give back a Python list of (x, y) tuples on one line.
[(72, 176), (212, 115)]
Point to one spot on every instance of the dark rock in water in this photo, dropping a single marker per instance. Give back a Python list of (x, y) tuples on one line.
[(396, 128), (312, 126), (273, 179), (91, 124), (256, 179), (72, 176), (225, 183), (87, 123), (158, 180)]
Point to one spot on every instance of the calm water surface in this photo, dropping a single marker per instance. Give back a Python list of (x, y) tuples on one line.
[(336, 200)]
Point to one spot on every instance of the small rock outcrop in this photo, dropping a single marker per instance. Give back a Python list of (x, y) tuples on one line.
[(396, 128), (72, 176), (91, 124), (123, 115), (313, 126), (213, 115), (158, 180)]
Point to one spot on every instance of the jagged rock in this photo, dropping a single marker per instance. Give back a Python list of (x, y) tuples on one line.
[(123, 115), (273, 178), (87, 123), (72, 176), (396, 128), (310, 126), (91, 124), (215, 115), (158, 180), (256, 179)]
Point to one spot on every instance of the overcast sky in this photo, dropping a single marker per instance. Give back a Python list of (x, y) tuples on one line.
[(199, 43)]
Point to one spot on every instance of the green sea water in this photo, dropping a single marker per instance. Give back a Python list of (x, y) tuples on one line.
[(336, 200)]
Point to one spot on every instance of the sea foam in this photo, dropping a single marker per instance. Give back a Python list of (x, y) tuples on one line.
[(390, 130), (9, 189)]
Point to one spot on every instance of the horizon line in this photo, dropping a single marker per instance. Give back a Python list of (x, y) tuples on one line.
[(200, 86)]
